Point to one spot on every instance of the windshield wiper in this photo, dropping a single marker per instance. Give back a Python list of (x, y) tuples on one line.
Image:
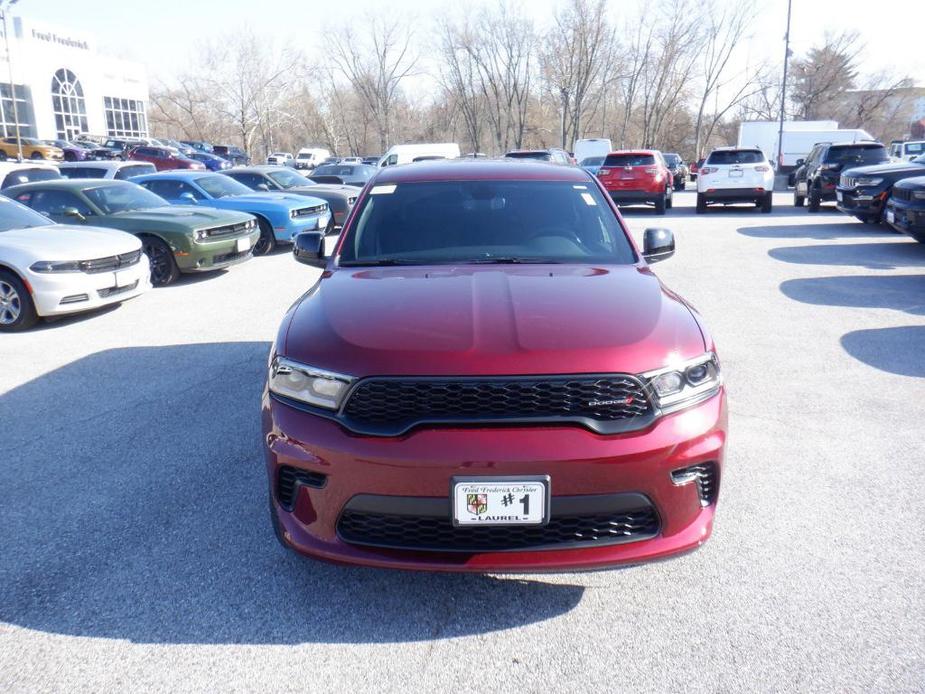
[(509, 260), (381, 261)]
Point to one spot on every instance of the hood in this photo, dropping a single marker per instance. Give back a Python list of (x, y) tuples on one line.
[(491, 320), (890, 168), (187, 215), (68, 242), (289, 200)]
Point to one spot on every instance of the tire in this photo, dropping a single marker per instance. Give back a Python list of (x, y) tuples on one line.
[(660, 204), (70, 156), (267, 241), (669, 200), (164, 268), (329, 229), (3, 156), (701, 203), (36, 155), (17, 310), (814, 201), (767, 203), (798, 200)]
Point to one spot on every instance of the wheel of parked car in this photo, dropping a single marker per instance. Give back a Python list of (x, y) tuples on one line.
[(701, 203), (164, 268), (70, 156), (17, 310), (329, 229), (36, 155), (798, 200), (2, 155), (814, 201), (669, 200), (267, 241), (661, 202), (767, 203)]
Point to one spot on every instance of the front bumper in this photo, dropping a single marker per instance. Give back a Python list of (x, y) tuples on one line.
[(212, 255), (859, 202), (285, 233), (422, 463), (60, 293), (906, 218)]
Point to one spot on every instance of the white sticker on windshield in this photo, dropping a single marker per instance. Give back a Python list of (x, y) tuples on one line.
[(580, 187), (382, 190), (588, 199)]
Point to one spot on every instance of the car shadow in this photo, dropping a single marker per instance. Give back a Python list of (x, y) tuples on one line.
[(133, 505), (895, 350), (876, 256), (823, 232), (898, 292)]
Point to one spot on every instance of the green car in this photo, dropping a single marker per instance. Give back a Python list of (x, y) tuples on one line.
[(175, 238)]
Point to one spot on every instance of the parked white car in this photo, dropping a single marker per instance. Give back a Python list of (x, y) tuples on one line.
[(734, 175), (405, 154), (118, 170), (907, 151), (281, 158), (49, 269), (310, 157), (12, 173)]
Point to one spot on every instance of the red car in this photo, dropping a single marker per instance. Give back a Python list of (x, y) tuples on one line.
[(638, 176), (489, 377), (164, 158)]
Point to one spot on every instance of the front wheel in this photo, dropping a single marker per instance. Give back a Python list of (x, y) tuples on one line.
[(17, 310), (329, 229), (669, 201), (660, 204), (267, 242), (164, 268), (701, 203), (36, 155)]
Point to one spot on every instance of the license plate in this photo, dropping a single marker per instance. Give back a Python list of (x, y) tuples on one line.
[(890, 217), (124, 278), (733, 173), (244, 244), (500, 500), (838, 195)]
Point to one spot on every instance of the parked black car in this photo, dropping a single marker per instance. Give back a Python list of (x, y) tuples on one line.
[(232, 153), (817, 180), (198, 144), (863, 191), (678, 169), (348, 174), (118, 148), (905, 209), (98, 151)]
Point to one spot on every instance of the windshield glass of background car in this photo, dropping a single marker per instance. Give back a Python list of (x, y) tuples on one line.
[(16, 216), (592, 161), (915, 147), (222, 186), (124, 197), (672, 159), (629, 160), (30, 176), (82, 172), (856, 155), (137, 170), (542, 156), (478, 221), (288, 179), (740, 156)]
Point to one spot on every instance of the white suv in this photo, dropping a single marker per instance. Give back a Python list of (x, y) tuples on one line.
[(733, 174)]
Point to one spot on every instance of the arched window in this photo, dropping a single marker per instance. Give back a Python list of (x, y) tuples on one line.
[(68, 101)]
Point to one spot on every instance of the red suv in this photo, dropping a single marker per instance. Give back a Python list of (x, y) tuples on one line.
[(637, 176), (489, 377), (164, 158)]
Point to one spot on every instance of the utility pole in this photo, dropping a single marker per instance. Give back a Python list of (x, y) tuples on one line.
[(564, 92), (4, 6), (783, 93)]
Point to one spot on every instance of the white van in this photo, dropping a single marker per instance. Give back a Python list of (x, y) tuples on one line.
[(406, 154), (310, 157), (591, 147)]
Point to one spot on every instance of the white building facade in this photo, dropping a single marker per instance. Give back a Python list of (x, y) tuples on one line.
[(64, 88)]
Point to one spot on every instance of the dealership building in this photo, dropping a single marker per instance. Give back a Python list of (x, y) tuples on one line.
[(64, 88)]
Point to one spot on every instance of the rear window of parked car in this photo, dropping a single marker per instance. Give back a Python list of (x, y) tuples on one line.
[(629, 160), (735, 156), (83, 172), (129, 171), (856, 154), (542, 156), (28, 176)]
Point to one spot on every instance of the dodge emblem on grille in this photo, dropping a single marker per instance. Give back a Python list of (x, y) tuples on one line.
[(628, 400)]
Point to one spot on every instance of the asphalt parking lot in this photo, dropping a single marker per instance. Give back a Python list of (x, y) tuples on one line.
[(136, 552)]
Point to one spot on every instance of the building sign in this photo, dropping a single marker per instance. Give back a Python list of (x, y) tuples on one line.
[(52, 37), (45, 34)]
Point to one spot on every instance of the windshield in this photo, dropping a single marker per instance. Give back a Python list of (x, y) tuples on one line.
[(486, 222), (288, 179), (736, 156), (222, 186), (856, 154), (122, 197), (82, 172), (915, 147), (16, 216), (30, 175), (592, 161), (542, 156), (672, 159), (629, 160)]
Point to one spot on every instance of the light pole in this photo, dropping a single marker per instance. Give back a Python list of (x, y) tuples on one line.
[(783, 93), (4, 6)]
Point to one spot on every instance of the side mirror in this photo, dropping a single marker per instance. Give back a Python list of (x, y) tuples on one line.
[(74, 213), (800, 162), (657, 244), (308, 248), (264, 187), (189, 198)]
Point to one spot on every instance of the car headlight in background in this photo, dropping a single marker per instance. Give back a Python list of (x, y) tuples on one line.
[(304, 383), (918, 194), (688, 383), (868, 181), (56, 266)]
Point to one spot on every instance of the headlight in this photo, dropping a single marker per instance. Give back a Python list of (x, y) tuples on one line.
[(868, 181), (676, 387), (918, 194), (55, 266), (304, 383)]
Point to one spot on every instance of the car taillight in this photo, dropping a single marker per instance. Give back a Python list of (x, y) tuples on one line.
[(708, 170), (762, 169), (603, 172)]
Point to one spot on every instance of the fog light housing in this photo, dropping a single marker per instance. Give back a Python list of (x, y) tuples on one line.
[(706, 478)]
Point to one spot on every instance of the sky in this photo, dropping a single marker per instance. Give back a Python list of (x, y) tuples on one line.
[(163, 35)]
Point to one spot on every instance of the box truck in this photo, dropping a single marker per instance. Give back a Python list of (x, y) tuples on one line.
[(799, 138)]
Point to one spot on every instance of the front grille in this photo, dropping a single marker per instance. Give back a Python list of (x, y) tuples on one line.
[(289, 477), (113, 291), (229, 257), (110, 263), (393, 405), (438, 534), (847, 182), (226, 230), (902, 194), (307, 211)]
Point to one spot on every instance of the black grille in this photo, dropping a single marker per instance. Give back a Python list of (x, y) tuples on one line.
[(306, 211), (113, 291), (110, 263), (287, 479), (229, 257), (438, 534), (393, 405), (227, 230)]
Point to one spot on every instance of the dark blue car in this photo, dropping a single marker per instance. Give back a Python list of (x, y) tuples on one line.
[(213, 162)]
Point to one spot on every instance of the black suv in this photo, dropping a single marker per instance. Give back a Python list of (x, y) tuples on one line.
[(232, 153), (678, 169), (905, 210), (817, 178), (864, 190)]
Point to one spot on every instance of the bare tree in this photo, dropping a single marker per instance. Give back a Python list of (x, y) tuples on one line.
[(375, 65), (822, 78), (459, 78)]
